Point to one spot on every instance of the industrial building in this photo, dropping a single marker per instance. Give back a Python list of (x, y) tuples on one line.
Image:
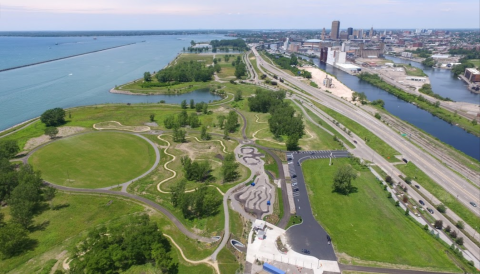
[(472, 75)]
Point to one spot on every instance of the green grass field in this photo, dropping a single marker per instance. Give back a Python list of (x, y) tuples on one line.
[(94, 160), (476, 62), (440, 193), (80, 213), (412, 71), (366, 225)]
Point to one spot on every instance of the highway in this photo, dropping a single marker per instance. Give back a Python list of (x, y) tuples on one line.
[(449, 180), (443, 176)]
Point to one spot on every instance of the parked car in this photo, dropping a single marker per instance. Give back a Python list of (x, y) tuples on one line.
[(289, 159), (417, 186), (306, 251), (473, 204), (294, 176), (421, 202), (430, 210), (295, 189), (294, 184), (355, 141), (329, 240)]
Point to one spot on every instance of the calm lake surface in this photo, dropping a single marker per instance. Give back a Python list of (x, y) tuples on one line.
[(84, 80)]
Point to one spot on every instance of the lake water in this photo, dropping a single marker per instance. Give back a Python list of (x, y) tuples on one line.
[(445, 132), (84, 80)]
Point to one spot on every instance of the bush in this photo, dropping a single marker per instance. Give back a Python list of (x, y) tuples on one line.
[(441, 208), (405, 199), (425, 227), (453, 234), (448, 229), (389, 195), (438, 224), (408, 180), (407, 212), (460, 225), (378, 116), (459, 241), (397, 203), (388, 179)]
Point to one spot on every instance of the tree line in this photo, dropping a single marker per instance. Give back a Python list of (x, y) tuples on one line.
[(289, 64), (283, 119), (237, 44), (22, 189), (187, 72), (240, 68), (201, 203)]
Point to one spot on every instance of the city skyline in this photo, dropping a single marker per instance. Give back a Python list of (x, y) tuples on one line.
[(29, 15)]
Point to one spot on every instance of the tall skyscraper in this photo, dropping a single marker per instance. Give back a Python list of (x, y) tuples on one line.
[(335, 30), (350, 31), (371, 32), (323, 34)]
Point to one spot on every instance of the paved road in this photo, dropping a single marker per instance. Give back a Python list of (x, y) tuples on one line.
[(443, 176), (309, 234)]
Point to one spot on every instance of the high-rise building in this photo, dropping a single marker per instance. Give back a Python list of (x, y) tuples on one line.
[(335, 30), (371, 32), (323, 34), (350, 31)]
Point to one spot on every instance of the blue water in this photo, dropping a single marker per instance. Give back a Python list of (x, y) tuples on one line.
[(444, 83), (445, 132), (84, 80)]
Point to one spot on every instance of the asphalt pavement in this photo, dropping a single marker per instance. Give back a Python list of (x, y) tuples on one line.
[(309, 234)]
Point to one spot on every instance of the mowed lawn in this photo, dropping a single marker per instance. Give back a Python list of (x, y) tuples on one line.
[(94, 160), (366, 225)]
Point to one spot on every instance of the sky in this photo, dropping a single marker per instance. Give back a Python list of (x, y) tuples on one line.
[(23, 15)]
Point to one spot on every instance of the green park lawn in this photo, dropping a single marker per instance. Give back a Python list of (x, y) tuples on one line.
[(476, 62), (94, 160), (79, 213), (366, 225)]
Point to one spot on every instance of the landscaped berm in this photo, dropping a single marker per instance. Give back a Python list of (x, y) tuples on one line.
[(94, 160)]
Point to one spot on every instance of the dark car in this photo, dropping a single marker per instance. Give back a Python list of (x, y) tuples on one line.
[(473, 204), (430, 210), (405, 160), (329, 240), (421, 202), (306, 251), (354, 141), (294, 176), (289, 159), (295, 189), (417, 186)]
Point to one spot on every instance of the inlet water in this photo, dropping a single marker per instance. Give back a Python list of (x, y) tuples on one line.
[(445, 132)]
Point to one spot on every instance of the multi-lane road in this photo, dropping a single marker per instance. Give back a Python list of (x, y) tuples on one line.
[(449, 180)]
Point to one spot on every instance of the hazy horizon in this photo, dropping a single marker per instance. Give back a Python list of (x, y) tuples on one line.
[(124, 15)]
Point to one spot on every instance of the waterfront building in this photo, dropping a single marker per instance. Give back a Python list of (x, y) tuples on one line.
[(472, 75), (335, 31)]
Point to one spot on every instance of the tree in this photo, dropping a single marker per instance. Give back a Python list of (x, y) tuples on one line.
[(179, 135), (183, 118), (407, 212), (438, 224), (205, 108), (221, 120), (342, 181), (453, 234), (51, 131), (178, 191), (441, 208), (204, 134), (14, 240), (192, 104), (448, 228), (378, 116), (169, 122), (193, 120), (53, 117), (147, 76), (238, 96), (232, 121), (459, 240), (49, 193), (229, 168), (460, 225), (183, 104), (152, 117), (292, 142), (8, 149), (388, 179)]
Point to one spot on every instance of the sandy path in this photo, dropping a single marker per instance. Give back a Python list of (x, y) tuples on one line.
[(174, 173), (62, 132), (204, 261), (339, 88)]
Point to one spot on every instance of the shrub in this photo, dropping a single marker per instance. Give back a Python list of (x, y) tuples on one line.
[(405, 199), (438, 224), (408, 180), (389, 195), (453, 234), (460, 225), (407, 212), (388, 179), (397, 203), (459, 241), (425, 227), (447, 229), (441, 208)]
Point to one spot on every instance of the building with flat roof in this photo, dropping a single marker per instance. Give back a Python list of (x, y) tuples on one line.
[(472, 75), (335, 31)]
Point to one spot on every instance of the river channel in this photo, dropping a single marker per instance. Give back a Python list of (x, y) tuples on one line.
[(445, 132)]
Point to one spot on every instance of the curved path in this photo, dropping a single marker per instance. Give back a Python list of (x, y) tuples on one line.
[(204, 261)]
